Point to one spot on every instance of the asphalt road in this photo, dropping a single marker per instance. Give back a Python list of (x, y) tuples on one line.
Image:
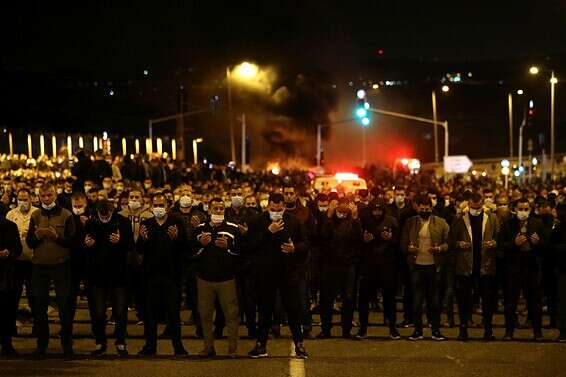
[(376, 356)]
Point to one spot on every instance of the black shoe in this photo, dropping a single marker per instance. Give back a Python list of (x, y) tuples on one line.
[(394, 334), (323, 335), (39, 352), (406, 324), (488, 335), (100, 350), (179, 350), (148, 351), (300, 351), (121, 350), (8, 351), (437, 335), (463, 334), (68, 353), (258, 351), (508, 336), (417, 335), (537, 335), (361, 335)]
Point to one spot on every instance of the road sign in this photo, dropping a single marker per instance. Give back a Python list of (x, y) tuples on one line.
[(457, 164)]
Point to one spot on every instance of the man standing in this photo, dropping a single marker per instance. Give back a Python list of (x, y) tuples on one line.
[(217, 254), (473, 237), (521, 240), (424, 238), (162, 240), (51, 232), (10, 250), (280, 247), (108, 239), (21, 216)]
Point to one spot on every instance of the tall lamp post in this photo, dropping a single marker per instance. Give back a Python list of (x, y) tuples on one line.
[(243, 71), (534, 70), (445, 89), (195, 149)]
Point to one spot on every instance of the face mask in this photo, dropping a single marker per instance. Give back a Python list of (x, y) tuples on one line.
[(107, 186), (23, 206), (59, 190), (531, 200), (434, 202), (237, 201), (475, 212), (446, 202), (488, 200), (341, 215), (227, 204), (48, 207), (399, 199), (68, 191), (134, 204), (104, 220), (205, 207), (87, 189), (119, 188), (78, 211), (159, 212), (185, 201), (390, 200), (523, 215), (36, 190), (263, 203), (323, 209), (275, 215), (425, 214), (216, 219), (147, 186)]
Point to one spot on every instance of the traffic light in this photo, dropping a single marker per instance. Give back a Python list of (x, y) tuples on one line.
[(362, 108)]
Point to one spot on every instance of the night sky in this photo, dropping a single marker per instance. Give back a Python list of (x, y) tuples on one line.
[(53, 53)]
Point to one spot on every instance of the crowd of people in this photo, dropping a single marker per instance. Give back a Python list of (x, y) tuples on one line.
[(265, 249)]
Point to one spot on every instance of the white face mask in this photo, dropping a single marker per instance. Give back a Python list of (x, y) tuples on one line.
[(48, 207), (399, 199), (159, 212), (522, 215), (488, 200), (216, 219), (147, 186), (341, 215), (475, 212), (237, 201), (107, 186), (275, 215), (78, 211), (434, 202), (185, 201), (134, 204), (205, 206), (263, 203), (24, 206), (87, 189), (59, 190), (323, 209)]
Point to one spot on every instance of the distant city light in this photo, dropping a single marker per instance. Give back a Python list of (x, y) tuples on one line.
[(533, 70), (516, 173), (366, 105), (445, 88), (361, 112), (365, 121), (469, 74), (520, 92), (375, 86), (531, 104), (535, 161), (145, 72), (505, 163), (111, 93), (554, 80), (361, 94)]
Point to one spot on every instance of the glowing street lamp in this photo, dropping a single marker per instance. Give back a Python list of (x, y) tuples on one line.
[(534, 70), (195, 149), (445, 88)]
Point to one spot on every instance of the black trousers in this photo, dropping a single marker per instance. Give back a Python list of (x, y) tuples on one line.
[(336, 280), (523, 277), (8, 313), (465, 287), (249, 299), (101, 295), (425, 281), (383, 277), (23, 277), (290, 289), (42, 276), (162, 293), (407, 286)]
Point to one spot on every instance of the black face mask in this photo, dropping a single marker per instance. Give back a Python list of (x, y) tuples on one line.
[(425, 214)]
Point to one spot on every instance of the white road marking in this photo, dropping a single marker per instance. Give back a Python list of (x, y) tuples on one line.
[(296, 366)]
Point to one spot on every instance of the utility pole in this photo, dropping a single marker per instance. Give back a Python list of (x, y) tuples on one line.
[(244, 143)]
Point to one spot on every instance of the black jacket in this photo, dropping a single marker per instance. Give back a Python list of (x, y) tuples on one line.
[(213, 263), (9, 239), (513, 253), (106, 261), (162, 256), (266, 247), (379, 251), (558, 246), (341, 241)]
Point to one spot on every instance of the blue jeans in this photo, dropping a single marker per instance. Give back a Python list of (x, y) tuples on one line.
[(425, 281)]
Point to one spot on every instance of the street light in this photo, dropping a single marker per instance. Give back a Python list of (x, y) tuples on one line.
[(553, 81), (445, 89), (243, 71), (195, 152)]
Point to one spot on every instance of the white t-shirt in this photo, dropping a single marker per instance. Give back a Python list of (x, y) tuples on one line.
[(424, 257)]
